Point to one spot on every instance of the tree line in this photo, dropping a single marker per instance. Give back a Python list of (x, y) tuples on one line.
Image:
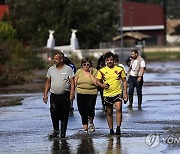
[(26, 27), (95, 20)]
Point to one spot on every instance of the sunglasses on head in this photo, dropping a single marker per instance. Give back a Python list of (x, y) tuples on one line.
[(86, 64)]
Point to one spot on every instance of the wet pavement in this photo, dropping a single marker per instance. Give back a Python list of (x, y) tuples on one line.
[(24, 128)]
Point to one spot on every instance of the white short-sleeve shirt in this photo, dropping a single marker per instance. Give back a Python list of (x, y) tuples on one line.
[(132, 72)]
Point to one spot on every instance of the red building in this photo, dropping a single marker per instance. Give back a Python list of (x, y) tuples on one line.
[(145, 18), (4, 9)]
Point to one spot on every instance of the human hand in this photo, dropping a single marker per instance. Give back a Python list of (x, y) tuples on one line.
[(139, 79), (106, 86), (91, 70), (125, 98), (72, 97), (45, 99)]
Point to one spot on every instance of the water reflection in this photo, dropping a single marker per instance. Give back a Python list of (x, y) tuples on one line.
[(86, 146), (60, 146), (114, 145)]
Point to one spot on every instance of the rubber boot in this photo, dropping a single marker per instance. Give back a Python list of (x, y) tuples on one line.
[(130, 101), (54, 134), (63, 128), (139, 102)]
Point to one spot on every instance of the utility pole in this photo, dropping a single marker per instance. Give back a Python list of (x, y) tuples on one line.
[(121, 26)]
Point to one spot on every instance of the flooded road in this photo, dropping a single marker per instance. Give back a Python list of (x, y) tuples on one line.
[(24, 128)]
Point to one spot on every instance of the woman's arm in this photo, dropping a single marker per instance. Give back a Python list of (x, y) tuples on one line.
[(75, 81), (93, 79)]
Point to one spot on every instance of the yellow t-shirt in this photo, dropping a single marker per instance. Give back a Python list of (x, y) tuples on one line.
[(112, 76)]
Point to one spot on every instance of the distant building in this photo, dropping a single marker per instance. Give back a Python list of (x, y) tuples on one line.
[(145, 18), (172, 37), (4, 9)]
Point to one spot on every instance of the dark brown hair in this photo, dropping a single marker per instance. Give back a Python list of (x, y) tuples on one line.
[(108, 55), (86, 60), (135, 51)]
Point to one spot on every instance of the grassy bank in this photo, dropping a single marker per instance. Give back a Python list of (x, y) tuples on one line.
[(162, 56)]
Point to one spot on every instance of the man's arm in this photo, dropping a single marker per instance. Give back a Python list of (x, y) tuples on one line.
[(46, 90), (141, 73), (99, 83), (125, 88), (72, 89), (103, 85)]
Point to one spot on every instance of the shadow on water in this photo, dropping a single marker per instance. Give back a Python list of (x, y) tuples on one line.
[(60, 146), (88, 145), (114, 145)]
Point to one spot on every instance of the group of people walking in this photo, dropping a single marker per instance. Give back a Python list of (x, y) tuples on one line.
[(109, 79)]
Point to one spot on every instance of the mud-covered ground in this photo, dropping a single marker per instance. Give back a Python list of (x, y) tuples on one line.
[(154, 129)]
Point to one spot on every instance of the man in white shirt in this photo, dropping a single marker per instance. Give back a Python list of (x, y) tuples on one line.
[(136, 71)]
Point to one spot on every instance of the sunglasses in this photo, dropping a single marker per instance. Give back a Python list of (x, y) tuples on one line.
[(86, 64)]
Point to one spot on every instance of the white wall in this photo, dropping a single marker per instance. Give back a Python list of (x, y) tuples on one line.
[(175, 39)]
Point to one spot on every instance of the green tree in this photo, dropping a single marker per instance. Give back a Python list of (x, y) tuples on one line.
[(95, 20), (173, 7), (6, 31)]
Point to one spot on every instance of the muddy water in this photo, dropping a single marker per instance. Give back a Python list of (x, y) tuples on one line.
[(24, 129)]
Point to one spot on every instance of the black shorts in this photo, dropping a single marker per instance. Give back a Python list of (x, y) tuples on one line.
[(112, 100)]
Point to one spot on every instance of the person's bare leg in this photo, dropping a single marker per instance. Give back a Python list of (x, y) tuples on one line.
[(85, 127), (91, 126), (109, 116), (118, 106), (91, 119)]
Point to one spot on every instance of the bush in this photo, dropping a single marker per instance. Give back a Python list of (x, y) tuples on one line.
[(6, 31), (13, 75)]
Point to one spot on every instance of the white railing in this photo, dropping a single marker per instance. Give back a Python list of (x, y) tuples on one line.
[(122, 53), (81, 53)]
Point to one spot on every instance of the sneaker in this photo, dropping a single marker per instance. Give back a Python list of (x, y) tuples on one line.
[(111, 132), (54, 134), (91, 127), (85, 131), (118, 131)]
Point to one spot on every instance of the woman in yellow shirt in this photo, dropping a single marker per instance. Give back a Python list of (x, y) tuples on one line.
[(86, 89)]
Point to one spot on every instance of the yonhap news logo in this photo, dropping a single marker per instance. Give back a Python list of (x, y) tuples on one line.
[(153, 140)]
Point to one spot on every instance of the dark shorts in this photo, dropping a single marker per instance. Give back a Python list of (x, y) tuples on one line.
[(112, 100)]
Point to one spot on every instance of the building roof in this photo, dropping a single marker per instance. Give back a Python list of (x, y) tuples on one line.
[(133, 35), (4, 9)]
